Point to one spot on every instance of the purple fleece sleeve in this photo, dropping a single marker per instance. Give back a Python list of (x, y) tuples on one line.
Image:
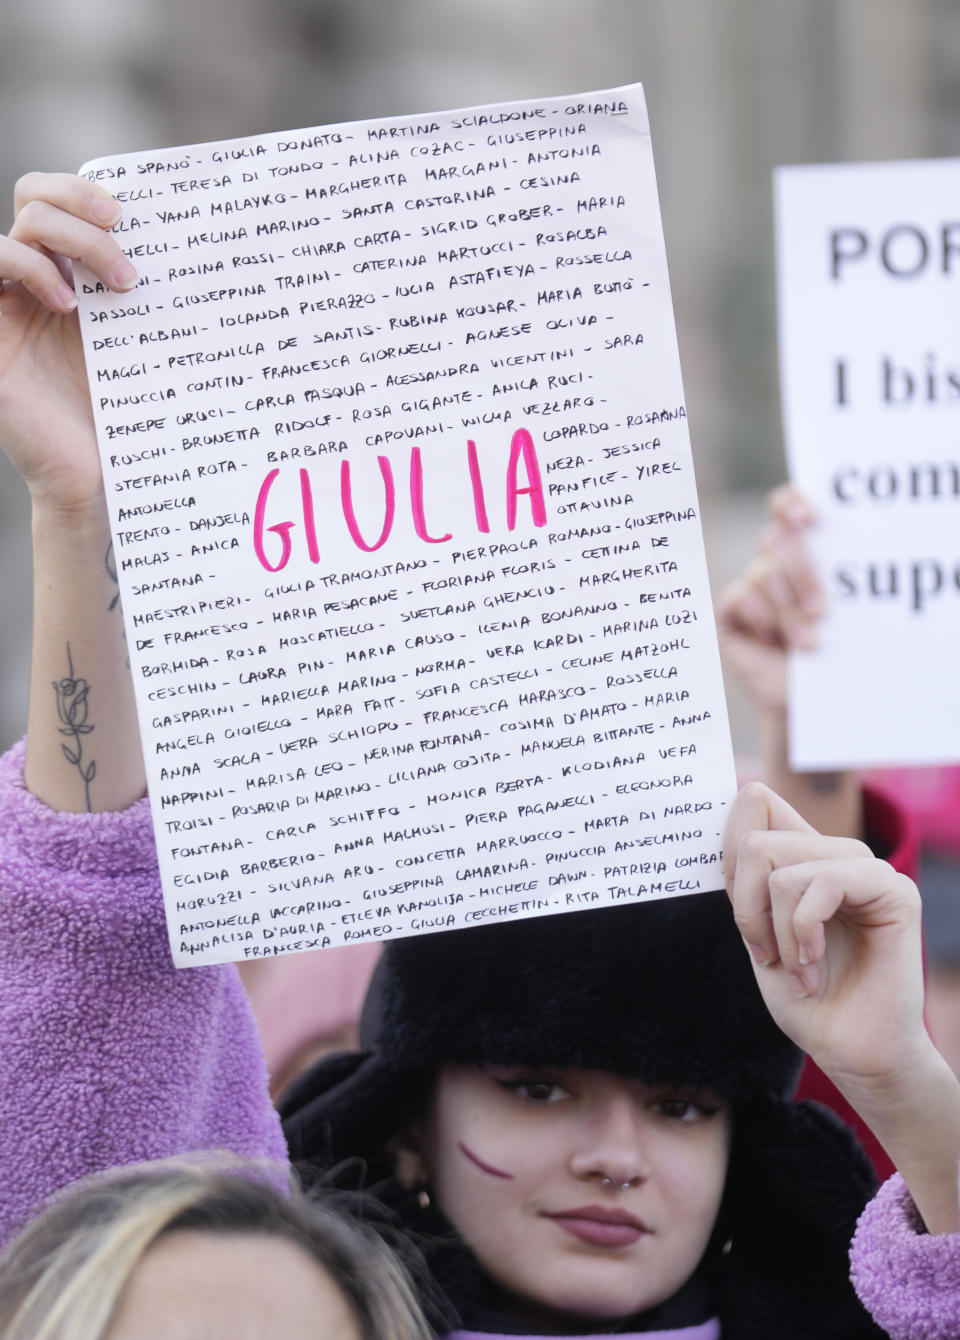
[(108, 1055), (908, 1280)]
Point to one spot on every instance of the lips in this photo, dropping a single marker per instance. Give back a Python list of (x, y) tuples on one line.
[(601, 1227)]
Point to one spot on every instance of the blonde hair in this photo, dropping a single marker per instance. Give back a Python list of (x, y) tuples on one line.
[(62, 1277)]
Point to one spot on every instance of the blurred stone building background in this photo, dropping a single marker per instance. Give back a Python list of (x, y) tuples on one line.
[(733, 87)]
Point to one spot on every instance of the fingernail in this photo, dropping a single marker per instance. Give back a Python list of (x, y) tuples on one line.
[(799, 986), (66, 297), (124, 276), (804, 956), (760, 955), (107, 212)]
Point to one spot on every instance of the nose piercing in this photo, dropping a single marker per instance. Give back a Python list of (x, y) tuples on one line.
[(607, 1182)]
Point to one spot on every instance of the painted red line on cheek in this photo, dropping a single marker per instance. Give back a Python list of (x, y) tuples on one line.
[(484, 1167)]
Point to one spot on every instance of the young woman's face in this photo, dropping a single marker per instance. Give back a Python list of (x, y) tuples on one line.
[(580, 1193)]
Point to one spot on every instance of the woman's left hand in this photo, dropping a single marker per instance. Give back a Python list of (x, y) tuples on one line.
[(835, 938)]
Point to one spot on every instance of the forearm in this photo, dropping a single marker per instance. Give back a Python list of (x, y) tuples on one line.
[(917, 1120), (831, 801), (83, 743)]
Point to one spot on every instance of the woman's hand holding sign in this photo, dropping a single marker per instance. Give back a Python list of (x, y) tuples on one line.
[(83, 748), (835, 938), (46, 422), (772, 608), (775, 603)]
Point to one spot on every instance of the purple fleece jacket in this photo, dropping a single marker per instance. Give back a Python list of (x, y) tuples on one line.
[(908, 1280), (107, 1054)]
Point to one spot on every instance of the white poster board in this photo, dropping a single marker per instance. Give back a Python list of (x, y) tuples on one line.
[(406, 527), (869, 281)]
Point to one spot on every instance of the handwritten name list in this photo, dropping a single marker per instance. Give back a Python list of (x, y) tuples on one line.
[(406, 527)]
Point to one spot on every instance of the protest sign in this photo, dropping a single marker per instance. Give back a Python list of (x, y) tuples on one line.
[(406, 527), (869, 269)]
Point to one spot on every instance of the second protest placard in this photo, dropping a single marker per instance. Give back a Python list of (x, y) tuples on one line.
[(869, 272)]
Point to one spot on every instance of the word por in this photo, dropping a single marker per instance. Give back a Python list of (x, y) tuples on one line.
[(904, 250)]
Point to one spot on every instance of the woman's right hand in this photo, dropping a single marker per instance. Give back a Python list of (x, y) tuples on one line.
[(46, 419)]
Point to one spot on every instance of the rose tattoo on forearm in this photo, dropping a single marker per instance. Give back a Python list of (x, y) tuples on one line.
[(73, 707)]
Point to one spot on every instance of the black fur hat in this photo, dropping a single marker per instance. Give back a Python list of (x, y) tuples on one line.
[(660, 991)]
